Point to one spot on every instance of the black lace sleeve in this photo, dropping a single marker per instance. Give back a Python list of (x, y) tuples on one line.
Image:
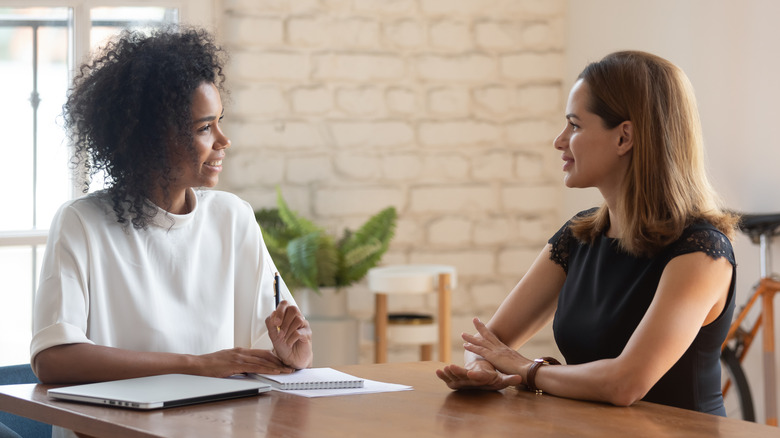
[(563, 240), (561, 244), (704, 238)]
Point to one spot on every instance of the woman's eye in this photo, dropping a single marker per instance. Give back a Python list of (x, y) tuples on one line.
[(205, 128), (574, 127)]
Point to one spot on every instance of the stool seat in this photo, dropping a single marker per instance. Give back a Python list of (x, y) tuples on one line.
[(414, 329), (409, 318), (409, 279), (411, 329)]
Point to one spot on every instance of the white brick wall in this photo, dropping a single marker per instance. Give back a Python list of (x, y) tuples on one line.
[(445, 109)]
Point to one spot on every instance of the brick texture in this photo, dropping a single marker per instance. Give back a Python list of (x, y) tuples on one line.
[(445, 109)]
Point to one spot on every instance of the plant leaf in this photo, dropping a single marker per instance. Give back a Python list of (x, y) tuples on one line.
[(297, 225), (275, 232), (359, 260), (327, 261), (302, 253), (276, 237), (381, 226), (363, 249), (308, 257)]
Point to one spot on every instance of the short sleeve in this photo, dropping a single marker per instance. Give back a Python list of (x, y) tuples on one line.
[(62, 300), (254, 288), (560, 244), (562, 241), (704, 238)]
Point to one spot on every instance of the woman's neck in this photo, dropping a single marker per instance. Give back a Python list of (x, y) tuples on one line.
[(615, 229), (176, 202), (615, 226)]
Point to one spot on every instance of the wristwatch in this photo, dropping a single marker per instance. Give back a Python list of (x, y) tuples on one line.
[(531, 376)]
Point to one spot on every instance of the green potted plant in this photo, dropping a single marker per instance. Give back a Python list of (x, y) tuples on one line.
[(308, 257)]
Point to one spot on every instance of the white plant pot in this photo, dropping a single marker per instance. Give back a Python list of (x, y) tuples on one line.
[(330, 303), (335, 335)]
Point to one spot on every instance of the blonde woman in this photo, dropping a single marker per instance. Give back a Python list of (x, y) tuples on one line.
[(640, 289)]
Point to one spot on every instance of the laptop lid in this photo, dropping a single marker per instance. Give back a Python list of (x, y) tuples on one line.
[(160, 391)]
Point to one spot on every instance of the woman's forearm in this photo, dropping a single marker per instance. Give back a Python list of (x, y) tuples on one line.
[(79, 363)]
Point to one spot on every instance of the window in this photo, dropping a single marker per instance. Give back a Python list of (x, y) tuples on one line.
[(38, 46)]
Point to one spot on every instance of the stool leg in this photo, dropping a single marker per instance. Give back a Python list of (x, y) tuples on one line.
[(445, 293), (426, 352), (380, 328)]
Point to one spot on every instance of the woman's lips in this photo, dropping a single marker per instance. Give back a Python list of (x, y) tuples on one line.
[(567, 162)]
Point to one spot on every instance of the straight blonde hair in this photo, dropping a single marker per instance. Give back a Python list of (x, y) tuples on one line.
[(666, 186)]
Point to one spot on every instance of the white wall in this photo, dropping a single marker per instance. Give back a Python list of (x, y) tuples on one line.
[(730, 52), (444, 109)]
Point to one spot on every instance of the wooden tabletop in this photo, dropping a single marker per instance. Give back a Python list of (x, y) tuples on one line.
[(431, 409)]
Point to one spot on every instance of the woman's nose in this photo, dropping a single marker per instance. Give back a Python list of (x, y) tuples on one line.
[(223, 142), (560, 141)]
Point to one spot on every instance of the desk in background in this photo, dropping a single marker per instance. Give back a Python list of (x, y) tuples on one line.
[(431, 409)]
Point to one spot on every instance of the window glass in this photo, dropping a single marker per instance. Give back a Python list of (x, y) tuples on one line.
[(35, 54), (107, 22), (33, 59)]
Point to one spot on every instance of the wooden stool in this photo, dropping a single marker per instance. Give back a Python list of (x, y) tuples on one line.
[(412, 279)]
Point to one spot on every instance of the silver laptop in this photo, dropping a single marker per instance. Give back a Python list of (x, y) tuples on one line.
[(161, 391)]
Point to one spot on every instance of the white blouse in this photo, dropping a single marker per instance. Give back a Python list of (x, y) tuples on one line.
[(194, 283)]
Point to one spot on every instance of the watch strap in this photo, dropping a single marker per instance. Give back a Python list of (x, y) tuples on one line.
[(531, 376)]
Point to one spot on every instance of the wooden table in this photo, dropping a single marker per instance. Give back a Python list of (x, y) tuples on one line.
[(431, 409)]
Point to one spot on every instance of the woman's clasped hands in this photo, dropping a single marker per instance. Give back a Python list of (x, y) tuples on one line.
[(492, 366)]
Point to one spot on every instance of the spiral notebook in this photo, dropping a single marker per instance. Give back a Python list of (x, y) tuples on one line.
[(312, 378)]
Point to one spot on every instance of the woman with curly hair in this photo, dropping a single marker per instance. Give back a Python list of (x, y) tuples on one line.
[(154, 275), (641, 289)]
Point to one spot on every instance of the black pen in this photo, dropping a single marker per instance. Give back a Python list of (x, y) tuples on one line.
[(276, 290), (276, 294)]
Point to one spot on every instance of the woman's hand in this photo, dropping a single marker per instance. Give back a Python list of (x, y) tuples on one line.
[(488, 346), (495, 367), (291, 335), (225, 363), (478, 374)]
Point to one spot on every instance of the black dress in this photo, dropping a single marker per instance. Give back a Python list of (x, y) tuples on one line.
[(606, 294)]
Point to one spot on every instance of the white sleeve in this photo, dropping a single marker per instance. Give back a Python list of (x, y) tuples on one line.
[(265, 302), (62, 301), (254, 297)]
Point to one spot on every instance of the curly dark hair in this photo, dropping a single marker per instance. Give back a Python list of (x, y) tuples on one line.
[(131, 104)]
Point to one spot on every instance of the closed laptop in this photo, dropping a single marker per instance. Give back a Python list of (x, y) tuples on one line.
[(160, 391)]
